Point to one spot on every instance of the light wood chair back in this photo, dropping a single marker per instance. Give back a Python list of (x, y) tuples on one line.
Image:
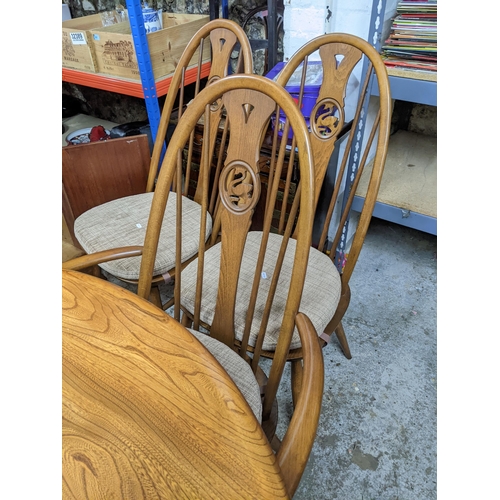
[(344, 123), (223, 36)]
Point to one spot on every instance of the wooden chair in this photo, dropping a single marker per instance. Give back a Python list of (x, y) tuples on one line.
[(123, 221), (325, 294), (224, 264), (342, 57)]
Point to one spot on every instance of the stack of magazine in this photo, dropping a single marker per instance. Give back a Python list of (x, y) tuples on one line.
[(412, 43)]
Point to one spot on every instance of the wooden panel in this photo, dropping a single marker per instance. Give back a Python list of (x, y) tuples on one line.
[(410, 175), (98, 172), (415, 75)]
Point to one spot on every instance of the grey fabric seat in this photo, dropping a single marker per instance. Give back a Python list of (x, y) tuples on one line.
[(320, 297), (237, 368), (123, 222)]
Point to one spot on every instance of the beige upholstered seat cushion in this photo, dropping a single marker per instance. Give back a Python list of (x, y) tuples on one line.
[(123, 222), (237, 368), (320, 296)]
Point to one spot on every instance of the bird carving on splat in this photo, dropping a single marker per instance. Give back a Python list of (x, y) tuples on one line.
[(240, 191), (326, 122)]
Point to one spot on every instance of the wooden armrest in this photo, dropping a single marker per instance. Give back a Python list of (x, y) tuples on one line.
[(299, 438), (93, 259)]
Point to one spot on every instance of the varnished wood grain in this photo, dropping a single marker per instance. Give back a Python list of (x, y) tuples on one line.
[(147, 411)]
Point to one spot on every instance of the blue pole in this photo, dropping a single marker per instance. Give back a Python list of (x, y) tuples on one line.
[(145, 66), (225, 9)]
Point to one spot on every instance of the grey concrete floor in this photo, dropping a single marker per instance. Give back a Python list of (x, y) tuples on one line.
[(377, 431), (377, 435)]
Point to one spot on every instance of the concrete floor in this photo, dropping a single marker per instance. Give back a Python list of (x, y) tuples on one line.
[(377, 433)]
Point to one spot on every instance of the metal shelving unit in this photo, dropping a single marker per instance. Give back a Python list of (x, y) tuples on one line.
[(144, 63), (147, 88), (402, 88), (412, 87), (123, 85)]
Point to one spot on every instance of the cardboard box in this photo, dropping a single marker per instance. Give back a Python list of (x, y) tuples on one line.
[(77, 45), (115, 51)]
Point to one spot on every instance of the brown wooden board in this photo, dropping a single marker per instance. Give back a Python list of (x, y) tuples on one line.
[(410, 175), (98, 172)]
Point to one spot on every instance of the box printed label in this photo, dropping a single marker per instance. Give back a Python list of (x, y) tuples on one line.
[(78, 38)]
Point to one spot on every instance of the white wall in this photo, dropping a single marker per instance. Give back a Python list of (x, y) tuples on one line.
[(302, 21), (306, 19)]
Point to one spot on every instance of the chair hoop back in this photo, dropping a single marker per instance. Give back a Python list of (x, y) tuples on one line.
[(343, 57), (223, 36)]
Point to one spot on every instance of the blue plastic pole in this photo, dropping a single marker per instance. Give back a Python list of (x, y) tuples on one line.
[(145, 66), (225, 9)]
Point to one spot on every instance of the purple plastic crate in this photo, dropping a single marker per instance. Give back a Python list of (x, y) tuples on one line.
[(314, 77)]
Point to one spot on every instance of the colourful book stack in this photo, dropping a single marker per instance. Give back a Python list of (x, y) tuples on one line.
[(412, 42)]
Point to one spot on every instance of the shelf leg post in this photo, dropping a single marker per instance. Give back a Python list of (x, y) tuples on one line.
[(214, 9), (374, 38), (145, 66)]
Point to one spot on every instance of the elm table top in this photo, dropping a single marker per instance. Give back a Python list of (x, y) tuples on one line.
[(147, 411)]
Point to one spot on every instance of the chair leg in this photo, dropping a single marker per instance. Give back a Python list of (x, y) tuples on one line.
[(275, 444), (335, 324), (154, 297), (297, 372), (339, 331), (94, 271), (186, 321)]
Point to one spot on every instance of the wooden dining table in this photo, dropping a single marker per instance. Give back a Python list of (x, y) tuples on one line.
[(147, 411)]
